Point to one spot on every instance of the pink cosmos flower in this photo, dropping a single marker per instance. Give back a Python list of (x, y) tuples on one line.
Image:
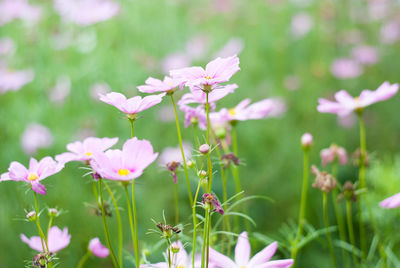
[(391, 202), (97, 248), (34, 137), (37, 171), (346, 104), (196, 116), (18, 9), (196, 47), (301, 24), (127, 164), (86, 12), (61, 90), (83, 151), (366, 55), (333, 153), (234, 46), (7, 46), (14, 80), (175, 61), (346, 68), (155, 85), (390, 32), (171, 158), (99, 88), (198, 96), (307, 140), (242, 256), (217, 71), (56, 240), (133, 105), (179, 260)]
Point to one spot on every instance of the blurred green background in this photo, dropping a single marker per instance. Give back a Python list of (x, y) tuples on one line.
[(286, 49)]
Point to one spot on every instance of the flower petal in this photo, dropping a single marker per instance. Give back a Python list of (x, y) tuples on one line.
[(264, 255), (242, 250)]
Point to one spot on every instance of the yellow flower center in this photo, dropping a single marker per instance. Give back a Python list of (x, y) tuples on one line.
[(33, 177), (180, 266), (356, 99), (123, 172), (232, 112), (88, 153), (207, 77)]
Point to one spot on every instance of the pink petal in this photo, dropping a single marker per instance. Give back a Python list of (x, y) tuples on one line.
[(264, 255), (391, 202), (277, 264), (220, 260), (58, 239), (98, 249), (34, 242), (242, 250), (17, 171), (38, 188)]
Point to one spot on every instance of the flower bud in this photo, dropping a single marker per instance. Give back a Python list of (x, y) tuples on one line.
[(202, 173), (31, 216), (204, 148), (220, 133), (190, 164), (53, 212), (306, 140), (175, 248)]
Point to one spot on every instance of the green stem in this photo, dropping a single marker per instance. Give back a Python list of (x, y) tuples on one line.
[(169, 254), (106, 232), (351, 231), (135, 225), (176, 203), (208, 238), (120, 235), (210, 175), (178, 129), (195, 223), (37, 221), (303, 203), (128, 203), (205, 232), (363, 241), (84, 259), (131, 121), (326, 221), (49, 225)]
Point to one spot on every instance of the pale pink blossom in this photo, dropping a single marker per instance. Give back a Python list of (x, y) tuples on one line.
[(7, 46), (97, 248), (390, 32), (83, 151), (391, 202), (234, 46), (217, 71), (14, 80), (61, 90), (57, 240), (34, 137), (197, 46), (307, 140), (36, 172), (126, 164), (86, 12), (198, 96), (195, 116), (346, 104), (175, 61), (166, 113), (99, 88), (347, 121), (301, 24), (133, 105), (173, 154), (155, 85), (366, 55), (333, 153), (242, 256), (18, 9), (346, 68)]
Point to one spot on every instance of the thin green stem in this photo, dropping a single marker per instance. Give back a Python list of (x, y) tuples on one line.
[(363, 185), (176, 203), (178, 129), (128, 203), (303, 203), (106, 232), (120, 234), (210, 175), (169, 254), (131, 121), (37, 221), (351, 231), (208, 238), (195, 223), (205, 232), (135, 224), (326, 221), (49, 225), (84, 259)]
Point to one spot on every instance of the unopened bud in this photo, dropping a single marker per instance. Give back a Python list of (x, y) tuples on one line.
[(204, 148), (306, 140), (175, 248), (53, 212), (220, 133), (190, 164), (202, 173), (31, 216)]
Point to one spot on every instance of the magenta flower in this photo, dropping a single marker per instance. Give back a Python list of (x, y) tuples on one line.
[(346, 104), (195, 116), (14, 80), (242, 256), (346, 68), (97, 248), (56, 240), (133, 105), (37, 171), (155, 85), (198, 96), (217, 71), (86, 12), (333, 153), (391, 202), (126, 164), (83, 151)]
